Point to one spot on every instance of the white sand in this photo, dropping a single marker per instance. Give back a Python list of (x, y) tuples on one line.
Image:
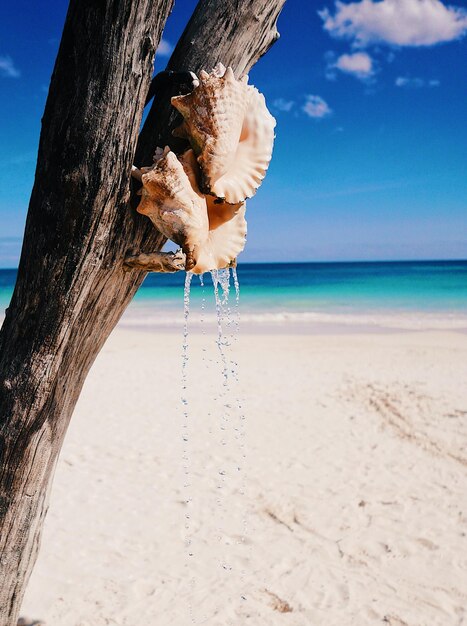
[(355, 486)]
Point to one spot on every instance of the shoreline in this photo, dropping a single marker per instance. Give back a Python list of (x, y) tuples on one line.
[(308, 323), (313, 324), (285, 329)]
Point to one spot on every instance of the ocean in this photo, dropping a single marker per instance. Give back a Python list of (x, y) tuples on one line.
[(392, 295)]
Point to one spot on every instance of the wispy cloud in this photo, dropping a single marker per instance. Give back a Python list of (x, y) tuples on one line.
[(316, 107), (358, 64), (395, 22), (280, 104), (415, 83), (8, 68), (165, 48)]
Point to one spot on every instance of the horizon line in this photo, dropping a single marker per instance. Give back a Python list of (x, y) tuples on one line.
[(328, 262)]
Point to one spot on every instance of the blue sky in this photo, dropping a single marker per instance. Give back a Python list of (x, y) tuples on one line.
[(370, 97)]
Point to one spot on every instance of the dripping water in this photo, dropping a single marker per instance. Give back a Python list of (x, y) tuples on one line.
[(231, 425), (237, 300), (203, 303), (188, 498), (240, 430), (232, 419), (218, 280)]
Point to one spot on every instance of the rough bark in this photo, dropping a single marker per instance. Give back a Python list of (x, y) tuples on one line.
[(72, 286)]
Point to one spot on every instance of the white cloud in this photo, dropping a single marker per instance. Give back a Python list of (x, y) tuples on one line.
[(395, 22), (283, 105), (165, 48), (8, 69), (316, 107), (415, 83), (359, 64)]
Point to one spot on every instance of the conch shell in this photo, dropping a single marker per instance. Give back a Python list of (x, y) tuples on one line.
[(231, 132), (210, 233), (172, 201), (197, 199)]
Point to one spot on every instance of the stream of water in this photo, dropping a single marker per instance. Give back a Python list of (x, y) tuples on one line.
[(227, 407)]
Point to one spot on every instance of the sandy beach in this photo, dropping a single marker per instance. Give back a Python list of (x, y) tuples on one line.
[(349, 506)]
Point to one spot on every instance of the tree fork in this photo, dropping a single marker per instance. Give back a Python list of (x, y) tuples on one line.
[(72, 285)]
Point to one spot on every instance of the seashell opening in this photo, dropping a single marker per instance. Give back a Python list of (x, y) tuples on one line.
[(226, 237), (231, 132), (253, 154)]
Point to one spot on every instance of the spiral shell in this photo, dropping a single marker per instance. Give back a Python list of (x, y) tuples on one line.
[(231, 132), (210, 233), (171, 199)]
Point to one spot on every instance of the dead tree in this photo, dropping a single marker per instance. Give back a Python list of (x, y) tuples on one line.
[(72, 285)]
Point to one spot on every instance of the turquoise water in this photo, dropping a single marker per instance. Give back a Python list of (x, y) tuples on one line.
[(339, 287), (306, 291)]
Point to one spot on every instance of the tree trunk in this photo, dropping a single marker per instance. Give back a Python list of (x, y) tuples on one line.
[(72, 288)]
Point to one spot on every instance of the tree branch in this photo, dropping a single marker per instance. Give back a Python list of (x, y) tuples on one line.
[(162, 262)]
